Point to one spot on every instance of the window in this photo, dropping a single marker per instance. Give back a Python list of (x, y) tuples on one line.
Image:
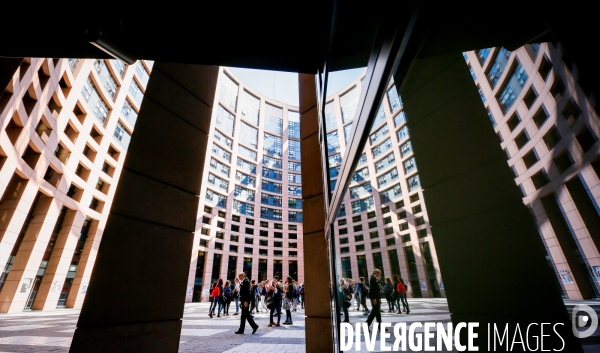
[(245, 179), (225, 121), (293, 236), (249, 221), (382, 147), (359, 237), (278, 235), (371, 214), (262, 252), (246, 166), (419, 221), (233, 248), (521, 139), (563, 162), (272, 145), (205, 231), (207, 209), (513, 122), (551, 138), (294, 178), (264, 224), (270, 213), (385, 209), (293, 245), (247, 153), (248, 240), (204, 243), (341, 222), (356, 218), (294, 150), (422, 233), (294, 190), (387, 220), (343, 240), (218, 246), (402, 215), (294, 166), (330, 118), (292, 227), (248, 251), (399, 204), (362, 205), (205, 219), (234, 238), (405, 238), (375, 245), (278, 226), (248, 135), (263, 242), (540, 179), (390, 241), (403, 133), (222, 214), (294, 216), (271, 174), (249, 230), (388, 231), (223, 139), (394, 99), (333, 143), (243, 208), (414, 197), (373, 235), (357, 228), (530, 158), (586, 139), (404, 226), (413, 183), (273, 119), (221, 224), (344, 250), (348, 103), (235, 228), (360, 247), (278, 244), (219, 235), (373, 224)]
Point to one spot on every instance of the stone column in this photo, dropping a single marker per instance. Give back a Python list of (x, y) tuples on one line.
[(491, 257), (319, 335), (137, 289)]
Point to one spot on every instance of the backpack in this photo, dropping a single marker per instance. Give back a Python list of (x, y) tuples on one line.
[(302, 291), (227, 293)]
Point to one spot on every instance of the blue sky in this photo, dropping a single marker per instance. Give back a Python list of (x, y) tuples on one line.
[(283, 86)]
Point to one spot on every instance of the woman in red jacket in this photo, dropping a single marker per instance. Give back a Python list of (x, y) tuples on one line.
[(402, 292), (216, 294)]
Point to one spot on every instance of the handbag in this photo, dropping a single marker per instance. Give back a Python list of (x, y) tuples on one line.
[(269, 300)]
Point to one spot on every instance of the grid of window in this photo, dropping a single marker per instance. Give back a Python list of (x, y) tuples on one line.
[(225, 121), (273, 145), (294, 190), (333, 142), (390, 194), (382, 147), (119, 66), (410, 165), (513, 88), (273, 119), (379, 118), (122, 135), (250, 107), (243, 208), (246, 166), (244, 193), (294, 203), (361, 175), (413, 183), (109, 82), (247, 153), (229, 92), (406, 149), (218, 182), (269, 213), (385, 162), (271, 200), (272, 162), (379, 134), (400, 119), (245, 179), (295, 166), (272, 174), (360, 190), (394, 99), (294, 150), (248, 135), (271, 186), (294, 216), (221, 153), (388, 177), (330, 118), (216, 199), (335, 159), (348, 103), (497, 68), (347, 131), (220, 167), (403, 133), (362, 205), (295, 178), (222, 138), (294, 125)]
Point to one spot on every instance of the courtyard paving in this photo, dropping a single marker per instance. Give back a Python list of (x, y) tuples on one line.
[(36, 331)]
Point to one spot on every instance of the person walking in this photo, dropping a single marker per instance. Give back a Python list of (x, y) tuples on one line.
[(388, 289), (345, 298), (302, 296), (228, 296), (402, 289), (274, 296), (364, 293), (211, 299), (216, 294), (263, 296), (288, 300), (245, 300), (236, 295), (396, 280), (375, 297), (253, 287)]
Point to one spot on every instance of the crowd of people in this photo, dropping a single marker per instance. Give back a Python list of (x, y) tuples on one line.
[(252, 297), (355, 293)]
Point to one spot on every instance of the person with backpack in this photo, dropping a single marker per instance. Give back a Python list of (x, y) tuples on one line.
[(402, 289), (227, 297)]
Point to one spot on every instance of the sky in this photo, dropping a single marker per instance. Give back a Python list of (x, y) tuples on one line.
[(283, 86)]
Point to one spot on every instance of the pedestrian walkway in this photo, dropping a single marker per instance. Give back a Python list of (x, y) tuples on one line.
[(36, 331)]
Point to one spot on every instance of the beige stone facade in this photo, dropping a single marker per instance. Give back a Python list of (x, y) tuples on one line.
[(66, 125)]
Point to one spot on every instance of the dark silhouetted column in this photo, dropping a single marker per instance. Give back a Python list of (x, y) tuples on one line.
[(137, 290)]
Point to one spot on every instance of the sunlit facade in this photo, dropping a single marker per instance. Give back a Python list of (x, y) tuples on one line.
[(66, 126), (549, 129)]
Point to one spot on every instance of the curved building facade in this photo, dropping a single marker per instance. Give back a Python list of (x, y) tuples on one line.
[(250, 214), (549, 129), (66, 125), (383, 220)]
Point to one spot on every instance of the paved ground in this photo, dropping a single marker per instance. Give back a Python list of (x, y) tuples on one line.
[(52, 331)]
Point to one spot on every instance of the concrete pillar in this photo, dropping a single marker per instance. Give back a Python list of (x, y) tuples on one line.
[(319, 329), (22, 275), (137, 290), (60, 261), (491, 257), (85, 266)]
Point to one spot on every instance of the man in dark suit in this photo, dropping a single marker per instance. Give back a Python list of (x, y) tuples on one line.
[(245, 301), (375, 296)]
